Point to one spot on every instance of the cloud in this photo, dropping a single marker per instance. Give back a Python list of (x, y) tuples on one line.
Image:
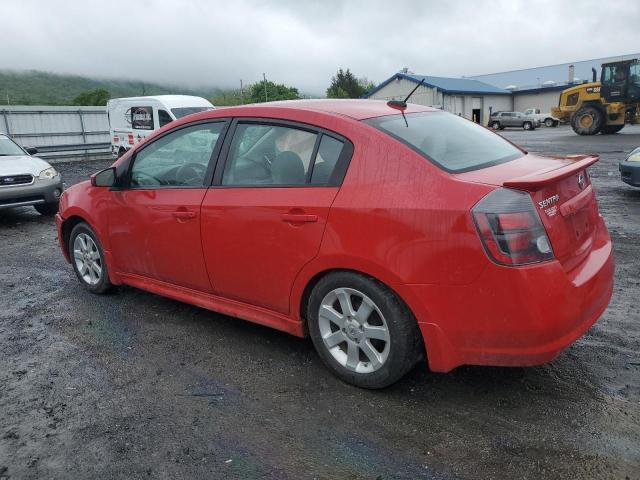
[(200, 42)]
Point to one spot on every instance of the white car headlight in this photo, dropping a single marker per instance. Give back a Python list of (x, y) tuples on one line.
[(48, 174)]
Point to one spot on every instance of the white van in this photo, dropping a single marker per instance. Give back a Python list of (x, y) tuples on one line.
[(131, 119)]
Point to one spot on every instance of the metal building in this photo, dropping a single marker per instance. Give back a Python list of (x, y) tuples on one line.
[(469, 98), (540, 87)]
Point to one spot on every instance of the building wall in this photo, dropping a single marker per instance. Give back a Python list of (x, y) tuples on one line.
[(493, 103), (431, 97), (398, 89), (542, 100)]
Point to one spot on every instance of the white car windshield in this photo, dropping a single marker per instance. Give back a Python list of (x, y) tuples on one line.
[(9, 147)]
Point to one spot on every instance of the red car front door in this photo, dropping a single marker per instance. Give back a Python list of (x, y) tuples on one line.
[(264, 218), (154, 224)]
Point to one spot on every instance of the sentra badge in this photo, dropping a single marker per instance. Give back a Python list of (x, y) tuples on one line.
[(549, 201)]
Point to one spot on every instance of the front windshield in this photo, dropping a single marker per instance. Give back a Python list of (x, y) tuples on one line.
[(449, 141), (9, 147), (182, 112)]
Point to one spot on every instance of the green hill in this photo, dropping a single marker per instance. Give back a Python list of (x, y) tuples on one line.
[(43, 88)]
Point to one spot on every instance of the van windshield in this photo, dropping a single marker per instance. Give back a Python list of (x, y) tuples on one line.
[(181, 112), (451, 142)]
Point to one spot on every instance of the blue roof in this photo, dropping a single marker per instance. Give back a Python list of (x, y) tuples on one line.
[(445, 84), (533, 78)]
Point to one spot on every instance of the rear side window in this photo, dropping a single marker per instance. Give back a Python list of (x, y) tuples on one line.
[(328, 154), (451, 142)]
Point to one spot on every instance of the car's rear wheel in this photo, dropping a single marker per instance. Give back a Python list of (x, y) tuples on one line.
[(495, 125), (87, 258), (47, 208), (362, 330), (550, 122)]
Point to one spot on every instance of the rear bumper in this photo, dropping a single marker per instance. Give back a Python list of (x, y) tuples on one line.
[(513, 316), (630, 173), (40, 191)]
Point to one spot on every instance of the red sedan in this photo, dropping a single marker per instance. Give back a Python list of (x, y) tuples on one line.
[(385, 234)]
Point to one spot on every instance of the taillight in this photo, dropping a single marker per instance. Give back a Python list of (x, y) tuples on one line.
[(510, 228)]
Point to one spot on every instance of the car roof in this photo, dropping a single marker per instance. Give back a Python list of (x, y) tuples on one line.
[(354, 108)]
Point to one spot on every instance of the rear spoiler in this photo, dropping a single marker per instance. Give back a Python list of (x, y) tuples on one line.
[(536, 181)]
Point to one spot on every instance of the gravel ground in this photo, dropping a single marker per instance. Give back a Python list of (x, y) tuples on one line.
[(132, 385)]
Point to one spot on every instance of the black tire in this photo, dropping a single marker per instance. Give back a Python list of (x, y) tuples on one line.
[(588, 120), (104, 284), (611, 129), (527, 126), (121, 151), (495, 125), (47, 208), (550, 122), (405, 341)]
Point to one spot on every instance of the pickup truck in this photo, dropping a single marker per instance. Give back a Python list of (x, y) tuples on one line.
[(546, 118)]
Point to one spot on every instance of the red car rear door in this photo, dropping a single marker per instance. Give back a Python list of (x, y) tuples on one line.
[(264, 218), (154, 223)]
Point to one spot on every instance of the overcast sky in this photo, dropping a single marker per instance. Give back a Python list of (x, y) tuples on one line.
[(302, 43)]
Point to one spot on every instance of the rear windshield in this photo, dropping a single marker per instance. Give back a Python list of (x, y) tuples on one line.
[(451, 142), (182, 112)]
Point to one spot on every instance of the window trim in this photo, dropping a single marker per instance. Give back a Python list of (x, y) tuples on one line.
[(336, 178), (213, 160)]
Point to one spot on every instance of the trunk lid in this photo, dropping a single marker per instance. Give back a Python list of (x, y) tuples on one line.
[(562, 195)]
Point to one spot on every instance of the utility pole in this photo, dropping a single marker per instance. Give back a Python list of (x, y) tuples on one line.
[(241, 94), (264, 78)]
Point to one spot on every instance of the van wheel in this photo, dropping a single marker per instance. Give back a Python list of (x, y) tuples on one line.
[(362, 331), (87, 258)]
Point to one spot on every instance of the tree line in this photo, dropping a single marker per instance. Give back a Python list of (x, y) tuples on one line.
[(344, 84)]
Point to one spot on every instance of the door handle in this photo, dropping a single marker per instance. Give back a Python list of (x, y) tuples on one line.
[(298, 218), (182, 215)]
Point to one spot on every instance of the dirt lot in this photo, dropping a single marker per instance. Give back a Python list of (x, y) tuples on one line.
[(132, 385)]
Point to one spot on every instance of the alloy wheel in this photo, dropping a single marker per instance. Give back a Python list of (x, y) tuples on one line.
[(87, 258), (354, 330)]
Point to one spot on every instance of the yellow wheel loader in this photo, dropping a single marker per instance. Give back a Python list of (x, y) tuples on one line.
[(604, 106)]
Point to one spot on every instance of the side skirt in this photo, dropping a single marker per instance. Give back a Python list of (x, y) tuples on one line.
[(217, 304)]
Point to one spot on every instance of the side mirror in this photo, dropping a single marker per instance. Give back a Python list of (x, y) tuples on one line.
[(31, 150), (104, 178)]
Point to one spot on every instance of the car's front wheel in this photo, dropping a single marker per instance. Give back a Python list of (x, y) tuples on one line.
[(527, 126), (87, 258), (362, 330), (495, 125)]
